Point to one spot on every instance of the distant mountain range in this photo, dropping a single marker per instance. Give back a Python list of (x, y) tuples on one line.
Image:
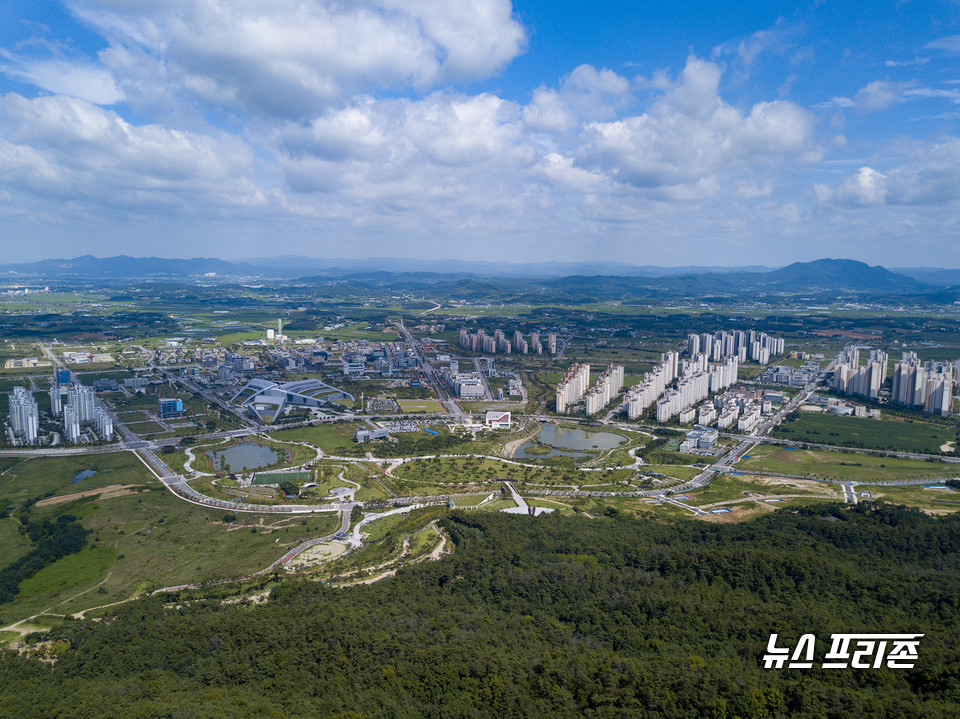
[(601, 279)]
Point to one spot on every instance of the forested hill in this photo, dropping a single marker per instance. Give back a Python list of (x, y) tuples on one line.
[(546, 617)]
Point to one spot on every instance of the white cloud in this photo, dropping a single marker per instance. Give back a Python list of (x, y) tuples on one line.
[(949, 44), (865, 187), (58, 146), (929, 176), (585, 94), (65, 77), (293, 58), (879, 95), (690, 136)]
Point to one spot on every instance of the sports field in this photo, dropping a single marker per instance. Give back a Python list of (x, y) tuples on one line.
[(420, 406)]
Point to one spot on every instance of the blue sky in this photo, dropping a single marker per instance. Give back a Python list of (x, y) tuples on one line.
[(652, 133)]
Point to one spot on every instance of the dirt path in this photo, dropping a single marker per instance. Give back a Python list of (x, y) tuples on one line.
[(113, 490), (764, 499), (511, 447)]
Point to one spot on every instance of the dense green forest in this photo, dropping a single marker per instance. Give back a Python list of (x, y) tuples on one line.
[(553, 617)]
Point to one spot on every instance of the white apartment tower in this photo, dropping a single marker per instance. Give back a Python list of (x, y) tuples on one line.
[(24, 416), (82, 398), (71, 425)]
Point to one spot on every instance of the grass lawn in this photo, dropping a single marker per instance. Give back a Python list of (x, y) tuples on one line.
[(144, 427), (74, 570), (672, 470), (332, 438), (911, 435), (134, 415), (420, 406), (38, 476), (837, 465), (141, 540), (472, 470), (727, 487), (914, 495), (14, 544)]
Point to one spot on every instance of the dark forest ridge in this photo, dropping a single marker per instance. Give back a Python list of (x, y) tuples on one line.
[(818, 274)]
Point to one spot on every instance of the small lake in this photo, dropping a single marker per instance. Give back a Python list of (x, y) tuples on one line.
[(246, 456), (571, 442), (83, 474)]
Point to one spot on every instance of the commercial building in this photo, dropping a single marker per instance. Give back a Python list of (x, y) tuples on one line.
[(169, 408), (497, 420), (365, 435)]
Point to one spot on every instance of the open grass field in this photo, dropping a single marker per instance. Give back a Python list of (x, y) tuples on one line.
[(31, 478), (728, 487), (144, 427), (473, 470), (14, 544), (896, 433), (837, 465), (671, 470), (947, 500), (331, 438), (142, 536), (420, 406)]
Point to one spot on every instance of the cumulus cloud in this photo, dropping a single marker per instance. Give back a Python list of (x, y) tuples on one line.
[(585, 94), (930, 176), (292, 58), (58, 146), (865, 187), (690, 135)]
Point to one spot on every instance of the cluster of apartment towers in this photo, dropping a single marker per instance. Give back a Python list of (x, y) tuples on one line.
[(696, 378), (927, 386), (480, 341), (82, 409)]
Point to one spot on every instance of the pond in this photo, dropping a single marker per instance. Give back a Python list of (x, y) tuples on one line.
[(83, 474), (244, 456), (570, 442)]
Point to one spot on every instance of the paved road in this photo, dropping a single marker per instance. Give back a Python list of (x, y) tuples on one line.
[(303, 546), (446, 400)]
